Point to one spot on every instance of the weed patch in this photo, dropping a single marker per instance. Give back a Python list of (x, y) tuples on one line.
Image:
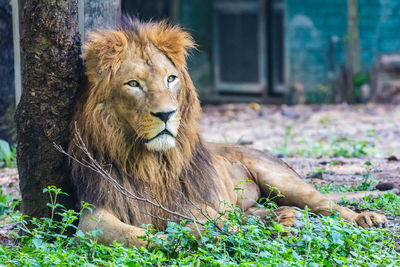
[(7, 155), (331, 146), (327, 241)]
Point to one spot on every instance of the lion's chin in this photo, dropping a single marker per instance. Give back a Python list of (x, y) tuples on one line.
[(161, 143)]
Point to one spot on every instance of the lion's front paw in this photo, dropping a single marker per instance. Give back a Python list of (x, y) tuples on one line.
[(371, 219), (288, 217)]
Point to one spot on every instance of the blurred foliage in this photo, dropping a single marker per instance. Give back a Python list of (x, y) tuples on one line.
[(7, 125), (7, 155)]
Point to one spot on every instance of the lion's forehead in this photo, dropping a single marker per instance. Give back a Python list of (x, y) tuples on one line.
[(134, 68), (146, 68)]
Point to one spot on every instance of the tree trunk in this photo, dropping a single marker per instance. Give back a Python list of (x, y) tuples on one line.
[(51, 71)]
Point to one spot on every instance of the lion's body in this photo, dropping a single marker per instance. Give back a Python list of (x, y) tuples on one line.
[(138, 118)]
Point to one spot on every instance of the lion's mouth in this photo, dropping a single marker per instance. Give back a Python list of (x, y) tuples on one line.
[(165, 131)]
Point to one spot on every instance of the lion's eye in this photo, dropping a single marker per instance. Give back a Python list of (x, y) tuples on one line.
[(133, 83), (171, 78)]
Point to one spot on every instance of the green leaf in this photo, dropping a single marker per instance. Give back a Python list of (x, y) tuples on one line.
[(5, 150), (37, 242), (337, 238), (80, 234)]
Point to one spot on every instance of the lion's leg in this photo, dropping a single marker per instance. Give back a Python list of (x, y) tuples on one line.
[(270, 172), (203, 213), (298, 193), (287, 216), (112, 228), (284, 215)]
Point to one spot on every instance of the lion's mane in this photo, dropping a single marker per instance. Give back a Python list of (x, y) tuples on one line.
[(173, 178)]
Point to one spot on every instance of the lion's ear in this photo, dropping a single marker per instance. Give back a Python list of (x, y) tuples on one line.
[(171, 40), (105, 51)]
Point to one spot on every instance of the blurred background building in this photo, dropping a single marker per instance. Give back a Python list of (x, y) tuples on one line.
[(270, 51), (282, 50)]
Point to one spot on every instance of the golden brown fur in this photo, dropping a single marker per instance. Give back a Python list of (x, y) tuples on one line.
[(117, 122), (185, 169)]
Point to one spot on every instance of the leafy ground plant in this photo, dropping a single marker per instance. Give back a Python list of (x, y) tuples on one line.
[(331, 146), (323, 241), (368, 182), (7, 155), (388, 202), (7, 204)]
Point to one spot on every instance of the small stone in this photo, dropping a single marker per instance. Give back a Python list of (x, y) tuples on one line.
[(298, 216), (298, 224), (243, 141), (254, 106), (315, 175), (382, 186)]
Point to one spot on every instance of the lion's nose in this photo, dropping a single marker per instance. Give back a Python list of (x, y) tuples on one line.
[(164, 116)]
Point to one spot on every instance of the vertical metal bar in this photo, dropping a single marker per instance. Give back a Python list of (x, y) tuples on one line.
[(175, 10), (17, 51), (286, 52), (81, 20), (216, 50), (262, 46)]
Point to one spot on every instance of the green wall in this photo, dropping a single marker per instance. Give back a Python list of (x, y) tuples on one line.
[(311, 23), (196, 17)]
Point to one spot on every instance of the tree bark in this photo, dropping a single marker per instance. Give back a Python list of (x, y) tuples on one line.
[(51, 71)]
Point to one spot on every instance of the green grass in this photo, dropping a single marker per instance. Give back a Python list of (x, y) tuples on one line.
[(330, 146), (323, 241), (368, 182), (388, 202)]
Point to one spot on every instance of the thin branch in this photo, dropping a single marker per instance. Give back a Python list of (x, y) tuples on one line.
[(93, 165)]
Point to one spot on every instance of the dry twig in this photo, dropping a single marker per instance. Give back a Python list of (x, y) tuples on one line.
[(94, 165)]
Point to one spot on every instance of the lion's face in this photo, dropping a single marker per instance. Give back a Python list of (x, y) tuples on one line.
[(145, 96), (139, 88)]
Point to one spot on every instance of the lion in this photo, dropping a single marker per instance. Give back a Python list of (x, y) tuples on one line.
[(138, 117)]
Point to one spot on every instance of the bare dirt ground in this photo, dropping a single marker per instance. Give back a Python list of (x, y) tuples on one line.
[(304, 136), (311, 133)]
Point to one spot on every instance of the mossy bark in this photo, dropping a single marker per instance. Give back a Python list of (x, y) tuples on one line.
[(51, 72)]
